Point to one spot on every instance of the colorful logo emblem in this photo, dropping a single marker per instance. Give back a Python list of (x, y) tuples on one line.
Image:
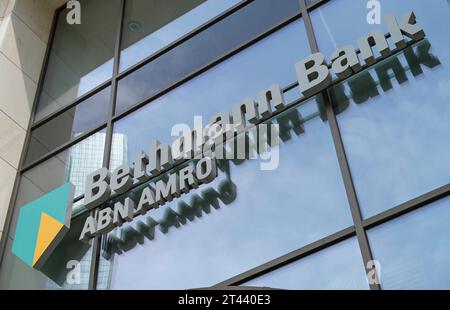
[(42, 224)]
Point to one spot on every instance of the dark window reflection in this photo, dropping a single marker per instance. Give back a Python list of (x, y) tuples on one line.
[(150, 25), (338, 267), (227, 84), (413, 249), (78, 120), (242, 219), (81, 56), (202, 49)]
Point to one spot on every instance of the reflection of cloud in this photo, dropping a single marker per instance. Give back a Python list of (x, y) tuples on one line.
[(285, 46), (95, 77), (216, 90), (172, 31), (400, 246), (394, 141), (274, 212), (397, 137)]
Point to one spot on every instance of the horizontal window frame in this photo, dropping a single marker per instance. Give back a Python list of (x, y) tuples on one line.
[(184, 38), (63, 147), (342, 235), (26, 166), (292, 105), (76, 102), (285, 89), (217, 61)]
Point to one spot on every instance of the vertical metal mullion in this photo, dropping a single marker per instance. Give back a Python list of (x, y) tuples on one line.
[(342, 158), (95, 259), (12, 200), (96, 245)]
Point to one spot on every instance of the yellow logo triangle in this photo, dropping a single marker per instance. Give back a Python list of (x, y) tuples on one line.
[(48, 230)]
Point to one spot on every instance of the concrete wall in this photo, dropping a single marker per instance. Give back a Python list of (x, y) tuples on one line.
[(24, 31)]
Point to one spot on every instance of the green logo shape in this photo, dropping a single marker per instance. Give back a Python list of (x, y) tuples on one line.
[(42, 224)]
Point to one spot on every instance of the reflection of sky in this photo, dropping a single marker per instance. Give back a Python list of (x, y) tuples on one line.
[(413, 249), (333, 31), (204, 48), (337, 267), (95, 77), (91, 112), (274, 212), (172, 31), (81, 56), (395, 142), (244, 75)]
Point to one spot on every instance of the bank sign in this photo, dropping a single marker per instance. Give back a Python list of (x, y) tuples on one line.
[(43, 222)]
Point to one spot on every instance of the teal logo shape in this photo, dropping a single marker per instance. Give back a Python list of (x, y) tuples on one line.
[(42, 224)]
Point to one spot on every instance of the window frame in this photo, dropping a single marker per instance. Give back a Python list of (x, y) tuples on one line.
[(359, 226)]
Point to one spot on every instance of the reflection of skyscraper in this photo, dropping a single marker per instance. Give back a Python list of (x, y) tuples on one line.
[(119, 150), (119, 156), (84, 158)]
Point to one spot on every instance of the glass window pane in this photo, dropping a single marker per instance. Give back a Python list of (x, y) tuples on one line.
[(413, 249), (238, 221), (202, 49), (81, 55), (73, 165), (78, 120), (152, 25), (227, 84), (16, 275), (339, 267), (394, 118), (333, 31)]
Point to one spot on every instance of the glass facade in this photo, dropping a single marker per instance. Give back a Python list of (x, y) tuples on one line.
[(342, 260), (412, 249), (81, 56), (69, 125), (152, 25), (201, 49), (363, 169), (391, 124), (55, 274), (228, 83), (240, 196)]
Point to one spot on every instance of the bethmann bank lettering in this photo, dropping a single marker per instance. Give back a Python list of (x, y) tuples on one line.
[(313, 77)]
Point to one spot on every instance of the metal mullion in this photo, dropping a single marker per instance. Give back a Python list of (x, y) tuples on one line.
[(290, 87), (78, 198), (62, 148), (95, 258), (363, 242), (176, 84), (40, 86), (290, 257), (291, 105), (77, 101), (342, 158), (184, 38), (208, 66), (407, 207), (317, 4), (12, 201), (96, 246)]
